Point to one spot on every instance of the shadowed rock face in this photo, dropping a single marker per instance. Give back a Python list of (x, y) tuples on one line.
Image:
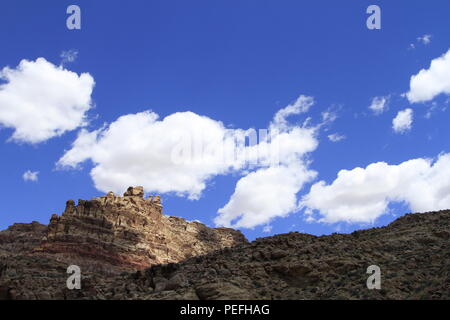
[(191, 261), (22, 237)]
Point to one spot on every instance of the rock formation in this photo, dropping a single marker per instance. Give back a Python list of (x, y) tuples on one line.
[(412, 252), (187, 260), (114, 234)]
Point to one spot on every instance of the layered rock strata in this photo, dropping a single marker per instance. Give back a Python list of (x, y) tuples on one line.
[(113, 234)]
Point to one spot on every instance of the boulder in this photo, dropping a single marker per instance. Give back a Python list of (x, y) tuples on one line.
[(134, 192)]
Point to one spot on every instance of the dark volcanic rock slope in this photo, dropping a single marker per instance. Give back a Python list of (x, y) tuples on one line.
[(412, 252)]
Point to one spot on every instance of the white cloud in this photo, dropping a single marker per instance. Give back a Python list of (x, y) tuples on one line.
[(301, 105), (425, 39), (267, 228), (328, 116), (379, 105), (403, 121), (139, 149), (336, 137), (264, 195), (271, 191), (40, 100), (429, 83), (31, 176), (432, 108), (183, 151), (362, 195), (69, 56)]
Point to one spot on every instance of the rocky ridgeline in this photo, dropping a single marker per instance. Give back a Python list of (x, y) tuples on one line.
[(191, 261), (413, 254), (113, 234)]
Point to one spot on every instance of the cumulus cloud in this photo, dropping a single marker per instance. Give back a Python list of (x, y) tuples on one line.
[(271, 191), (431, 82), (176, 154), (403, 121), (379, 105), (30, 176), (40, 101), (362, 195), (264, 195), (183, 151)]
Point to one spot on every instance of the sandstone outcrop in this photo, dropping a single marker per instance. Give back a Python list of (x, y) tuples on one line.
[(114, 234)]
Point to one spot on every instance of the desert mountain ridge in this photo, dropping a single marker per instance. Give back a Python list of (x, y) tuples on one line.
[(128, 249)]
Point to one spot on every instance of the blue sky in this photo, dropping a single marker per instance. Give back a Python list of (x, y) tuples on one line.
[(240, 62)]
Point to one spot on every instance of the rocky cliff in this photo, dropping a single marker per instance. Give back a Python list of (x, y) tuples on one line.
[(191, 261), (113, 234)]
